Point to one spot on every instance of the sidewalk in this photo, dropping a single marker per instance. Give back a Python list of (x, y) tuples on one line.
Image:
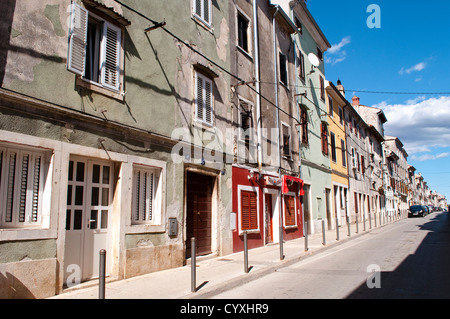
[(219, 274)]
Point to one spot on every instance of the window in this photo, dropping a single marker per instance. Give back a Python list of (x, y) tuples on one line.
[(202, 9), (363, 168), (146, 195), (324, 138), (301, 66), (333, 147), (319, 54), (242, 24), (322, 88), (249, 210), (330, 106), (354, 164), (22, 179), (289, 211), (246, 120), (344, 153), (286, 140), (204, 104), (283, 69), (94, 48), (304, 125), (341, 116)]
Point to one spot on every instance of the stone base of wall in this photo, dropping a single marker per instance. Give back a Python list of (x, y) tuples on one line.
[(30, 279), (144, 260)]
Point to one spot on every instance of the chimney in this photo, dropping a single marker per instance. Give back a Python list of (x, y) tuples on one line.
[(355, 101)]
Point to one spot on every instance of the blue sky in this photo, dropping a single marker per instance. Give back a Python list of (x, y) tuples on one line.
[(409, 53)]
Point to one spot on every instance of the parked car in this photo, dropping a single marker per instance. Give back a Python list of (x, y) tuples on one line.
[(417, 210)]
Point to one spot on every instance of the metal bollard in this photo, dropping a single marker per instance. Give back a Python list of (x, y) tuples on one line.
[(306, 236), (281, 243), (245, 252), (357, 224), (348, 227), (337, 228), (324, 239), (102, 274), (193, 265)]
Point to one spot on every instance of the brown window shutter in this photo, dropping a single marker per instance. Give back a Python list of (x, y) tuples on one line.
[(249, 211)]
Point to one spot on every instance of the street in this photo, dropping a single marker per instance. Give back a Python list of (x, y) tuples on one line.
[(406, 259)]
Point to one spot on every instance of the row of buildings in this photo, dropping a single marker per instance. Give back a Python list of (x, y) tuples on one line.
[(133, 126)]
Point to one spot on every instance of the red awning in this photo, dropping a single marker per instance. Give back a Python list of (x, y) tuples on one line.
[(284, 187)]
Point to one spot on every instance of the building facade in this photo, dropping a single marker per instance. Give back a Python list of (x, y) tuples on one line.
[(310, 44), (101, 144), (338, 155)]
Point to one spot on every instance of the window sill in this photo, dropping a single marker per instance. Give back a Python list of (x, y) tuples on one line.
[(99, 89), (203, 24), (145, 228), (247, 54), (12, 234)]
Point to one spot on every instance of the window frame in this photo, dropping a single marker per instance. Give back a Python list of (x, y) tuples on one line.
[(287, 154), (304, 126), (245, 36), (344, 153), (290, 195), (205, 80), (324, 138), (246, 135), (301, 66), (333, 147), (330, 106), (322, 88), (110, 40), (201, 17), (283, 68), (156, 201), (31, 195), (249, 189)]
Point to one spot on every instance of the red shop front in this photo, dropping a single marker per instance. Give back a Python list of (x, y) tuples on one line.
[(261, 204)]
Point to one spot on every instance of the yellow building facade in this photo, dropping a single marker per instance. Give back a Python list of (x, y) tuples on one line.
[(336, 102)]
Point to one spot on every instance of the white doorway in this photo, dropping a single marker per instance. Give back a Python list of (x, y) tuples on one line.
[(88, 214)]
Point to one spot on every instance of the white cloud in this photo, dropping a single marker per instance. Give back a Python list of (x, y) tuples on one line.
[(427, 157), (421, 124), (335, 54), (415, 68)]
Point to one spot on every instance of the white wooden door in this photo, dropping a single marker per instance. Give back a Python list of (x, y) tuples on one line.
[(88, 215)]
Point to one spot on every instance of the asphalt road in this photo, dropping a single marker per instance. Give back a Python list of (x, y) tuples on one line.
[(407, 259)]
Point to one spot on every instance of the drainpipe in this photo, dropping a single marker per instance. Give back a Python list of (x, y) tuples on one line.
[(257, 85)]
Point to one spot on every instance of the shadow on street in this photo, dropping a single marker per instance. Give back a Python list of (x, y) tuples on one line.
[(422, 275)]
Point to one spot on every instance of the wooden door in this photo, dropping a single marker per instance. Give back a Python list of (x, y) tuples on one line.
[(269, 218), (198, 212)]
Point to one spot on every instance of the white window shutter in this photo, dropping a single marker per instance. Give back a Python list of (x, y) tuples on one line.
[(208, 103), (199, 98), (76, 59), (207, 11), (198, 7), (203, 10), (204, 109), (111, 56)]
